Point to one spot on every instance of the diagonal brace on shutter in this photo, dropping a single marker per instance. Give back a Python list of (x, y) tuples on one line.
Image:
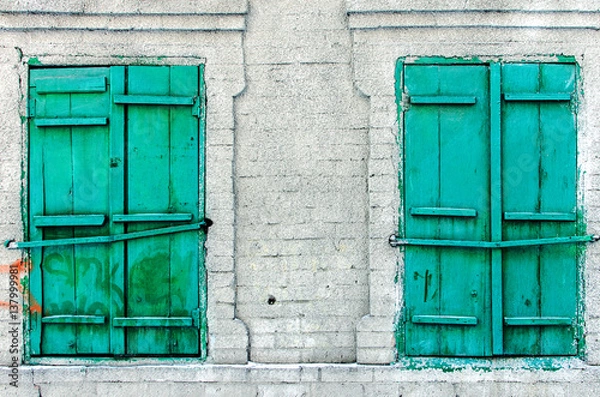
[(398, 242), (108, 239)]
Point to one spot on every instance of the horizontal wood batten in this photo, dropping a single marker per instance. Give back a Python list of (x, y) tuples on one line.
[(180, 217), (73, 319), (444, 320), (71, 122), (533, 321), (442, 100), (153, 100), (535, 97), (443, 211), (152, 322), (70, 85), (540, 216), (68, 220)]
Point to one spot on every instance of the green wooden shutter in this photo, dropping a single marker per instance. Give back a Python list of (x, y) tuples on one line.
[(69, 157), (490, 174), (119, 148), (539, 192), (162, 178), (446, 185)]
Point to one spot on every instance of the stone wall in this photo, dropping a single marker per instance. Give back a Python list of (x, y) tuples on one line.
[(302, 165)]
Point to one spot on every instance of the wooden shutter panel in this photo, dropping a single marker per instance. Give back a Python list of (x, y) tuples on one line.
[(69, 157), (539, 193), (446, 197), (115, 151), (162, 177)]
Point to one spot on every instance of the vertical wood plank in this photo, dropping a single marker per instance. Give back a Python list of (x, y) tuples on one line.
[(496, 208), (184, 182), (463, 172), (558, 267), (36, 207), (521, 181), (90, 195), (148, 186), (117, 167), (439, 172), (421, 167), (58, 263)]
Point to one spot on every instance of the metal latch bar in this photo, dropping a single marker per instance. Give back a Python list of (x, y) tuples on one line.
[(107, 239), (395, 242)]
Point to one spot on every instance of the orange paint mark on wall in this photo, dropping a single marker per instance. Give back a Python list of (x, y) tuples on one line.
[(18, 268), (20, 264)]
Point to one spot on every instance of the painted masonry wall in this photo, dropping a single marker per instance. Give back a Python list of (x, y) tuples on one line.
[(302, 185)]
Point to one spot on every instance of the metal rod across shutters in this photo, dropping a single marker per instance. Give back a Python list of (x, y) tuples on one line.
[(396, 242), (106, 239)]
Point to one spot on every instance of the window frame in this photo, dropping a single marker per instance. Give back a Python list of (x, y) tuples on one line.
[(401, 316), (29, 299)]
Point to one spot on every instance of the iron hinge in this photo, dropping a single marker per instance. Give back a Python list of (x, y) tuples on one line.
[(31, 108), (196, 318)]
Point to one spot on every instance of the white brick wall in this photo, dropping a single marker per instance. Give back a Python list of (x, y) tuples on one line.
[(301, 155), (302, 183)]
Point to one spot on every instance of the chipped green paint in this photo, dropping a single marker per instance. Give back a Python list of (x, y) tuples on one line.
[(487, 365), (34, 61), (438, 60), (202, 287)]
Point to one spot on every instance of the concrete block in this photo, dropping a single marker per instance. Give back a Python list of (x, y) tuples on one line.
[(231, 390), (277, 390)]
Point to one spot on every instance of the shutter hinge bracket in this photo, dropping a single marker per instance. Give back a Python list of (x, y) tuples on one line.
[(196, 318), (31, 108), (198, 108), (393, 241)]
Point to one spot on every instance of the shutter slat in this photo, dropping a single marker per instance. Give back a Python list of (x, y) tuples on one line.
[(70, 85), (443, 211), (443, 100), (69, 220), (540, 216), (166, 217), (154, 100), (70, 121), (153, 322), (538, 97), (538, 321), (444, 320), (73, 319)]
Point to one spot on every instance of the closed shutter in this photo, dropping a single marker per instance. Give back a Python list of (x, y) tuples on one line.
[(115, 152), (490, 209), (539, 193), (446, 163)]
